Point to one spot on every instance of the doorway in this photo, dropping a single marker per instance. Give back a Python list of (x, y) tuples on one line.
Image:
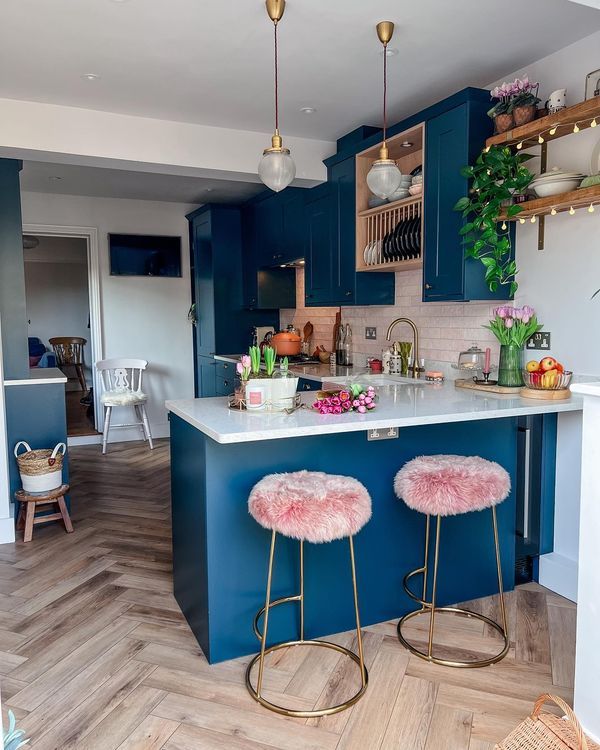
[(62, 293)]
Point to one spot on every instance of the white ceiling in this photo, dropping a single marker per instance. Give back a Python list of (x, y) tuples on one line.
[(119, 183), (210, 62)]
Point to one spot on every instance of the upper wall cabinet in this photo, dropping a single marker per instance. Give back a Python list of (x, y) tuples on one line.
[(453, 139), (330, 241), (223, 324)]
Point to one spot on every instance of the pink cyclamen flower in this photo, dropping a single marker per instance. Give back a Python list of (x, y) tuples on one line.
[(508, 322)]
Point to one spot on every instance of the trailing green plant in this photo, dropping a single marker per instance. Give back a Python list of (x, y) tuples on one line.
[(497, 175), (13, 737)]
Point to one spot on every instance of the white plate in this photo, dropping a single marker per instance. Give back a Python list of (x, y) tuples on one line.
[(366, 253)]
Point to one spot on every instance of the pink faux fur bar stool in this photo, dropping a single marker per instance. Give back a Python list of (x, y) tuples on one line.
[(314, 507), (448, 486)]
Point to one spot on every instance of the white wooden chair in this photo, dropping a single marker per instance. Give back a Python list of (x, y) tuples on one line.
[(122, 386)]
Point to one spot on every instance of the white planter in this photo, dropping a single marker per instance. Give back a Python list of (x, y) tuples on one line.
[(270, 394), (42, 482)]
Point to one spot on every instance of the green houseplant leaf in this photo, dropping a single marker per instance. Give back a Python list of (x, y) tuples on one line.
[(496, 175)]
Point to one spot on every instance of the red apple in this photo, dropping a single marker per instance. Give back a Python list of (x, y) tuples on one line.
[(548, 363)]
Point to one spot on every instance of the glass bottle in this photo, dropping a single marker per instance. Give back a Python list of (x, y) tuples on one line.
[(282, 386), (339, 346), (348, 346)]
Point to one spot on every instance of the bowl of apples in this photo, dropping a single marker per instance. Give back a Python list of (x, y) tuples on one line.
[(546, 375)]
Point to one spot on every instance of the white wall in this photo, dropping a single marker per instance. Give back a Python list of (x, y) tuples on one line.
[(141, 317), (58, 300), (559, 280)]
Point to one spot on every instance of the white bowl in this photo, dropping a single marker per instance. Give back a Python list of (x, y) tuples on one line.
[(402, 192), (547, 188), (415, 189), (417, 179)]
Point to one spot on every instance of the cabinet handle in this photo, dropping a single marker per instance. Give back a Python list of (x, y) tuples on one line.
[(225, 365), (428, 286), (349, 294), (276, 257), (309, 296), (526, 498)]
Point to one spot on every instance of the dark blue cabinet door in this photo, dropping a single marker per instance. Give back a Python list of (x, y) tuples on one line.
[(204, 293), (250, 261), (318, 222), (206, 381), (447, 152)]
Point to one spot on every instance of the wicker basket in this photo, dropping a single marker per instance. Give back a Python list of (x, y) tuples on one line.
[(41, 470), (545, 731)]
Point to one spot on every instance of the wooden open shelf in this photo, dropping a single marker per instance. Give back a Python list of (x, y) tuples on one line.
[(582, 114), (563, 202), (372, 224)]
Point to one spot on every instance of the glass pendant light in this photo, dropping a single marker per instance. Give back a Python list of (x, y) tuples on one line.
[(384, 176), (276, 168)]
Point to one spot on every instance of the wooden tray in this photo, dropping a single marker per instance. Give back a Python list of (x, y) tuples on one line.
[(546, 395), (472, 385)]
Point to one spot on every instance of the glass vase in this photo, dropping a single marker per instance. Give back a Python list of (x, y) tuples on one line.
[(510, 368)]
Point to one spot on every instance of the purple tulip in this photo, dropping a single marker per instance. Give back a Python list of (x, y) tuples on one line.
[(356, 403), (518, 313), (500, 312), (239, 368), (362, 409), (508, 322), (526, 319)]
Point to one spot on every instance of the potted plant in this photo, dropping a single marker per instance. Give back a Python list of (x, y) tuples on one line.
[(264, 388), (13, 737), (516, 105), (497, 175), (512, 326), (524, 101)]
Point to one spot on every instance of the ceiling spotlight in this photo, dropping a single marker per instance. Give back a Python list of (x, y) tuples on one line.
[(308, 110), (407, 144), (90, 76), (553, 212)]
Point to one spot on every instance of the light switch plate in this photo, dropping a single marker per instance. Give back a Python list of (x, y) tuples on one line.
[(371, 333), (539, 340), (386, 433)]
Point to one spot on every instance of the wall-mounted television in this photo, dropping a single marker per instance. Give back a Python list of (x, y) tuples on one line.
[(144, 255)]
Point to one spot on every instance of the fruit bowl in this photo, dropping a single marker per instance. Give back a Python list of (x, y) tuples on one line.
[(551, 380)]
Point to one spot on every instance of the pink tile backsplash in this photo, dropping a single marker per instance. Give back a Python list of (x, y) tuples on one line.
[(445, 329)]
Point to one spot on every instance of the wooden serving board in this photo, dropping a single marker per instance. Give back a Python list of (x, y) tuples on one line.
[(546, 395), (472, 385)]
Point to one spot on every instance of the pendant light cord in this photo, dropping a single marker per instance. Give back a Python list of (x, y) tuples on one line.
[(384, 92), (276, 83)]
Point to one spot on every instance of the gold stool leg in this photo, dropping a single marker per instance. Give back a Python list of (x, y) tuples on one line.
[(301, 595), (499, 565), (361, 656), (263, 642), (358, 659), (433, 586), (502, 630)]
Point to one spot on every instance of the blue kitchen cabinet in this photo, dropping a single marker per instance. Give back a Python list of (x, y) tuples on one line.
[(223, 323), (330, 246), (452, 140)]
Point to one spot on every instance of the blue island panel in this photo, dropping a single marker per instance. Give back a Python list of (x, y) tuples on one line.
[(220, 553)]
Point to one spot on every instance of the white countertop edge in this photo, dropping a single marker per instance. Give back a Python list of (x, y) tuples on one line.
[(586, 389), (40, 376), (362, 423)]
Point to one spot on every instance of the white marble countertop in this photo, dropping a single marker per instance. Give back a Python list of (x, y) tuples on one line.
[(40, 376), (402, 405)]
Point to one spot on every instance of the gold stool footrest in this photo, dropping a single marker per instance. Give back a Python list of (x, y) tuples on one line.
[(274, 603), (323, 644), (427, 609)]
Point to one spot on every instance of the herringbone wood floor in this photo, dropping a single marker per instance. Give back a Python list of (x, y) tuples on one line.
[(95, 654)]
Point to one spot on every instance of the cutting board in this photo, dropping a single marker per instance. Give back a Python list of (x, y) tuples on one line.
[(473, 386), (558, 395)]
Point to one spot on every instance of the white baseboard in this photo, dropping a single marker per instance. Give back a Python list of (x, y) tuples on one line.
[(7, 530), (117, 435), (559, 574)]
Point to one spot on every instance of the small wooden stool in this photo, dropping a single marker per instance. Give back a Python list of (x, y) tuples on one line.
[(27, 518)]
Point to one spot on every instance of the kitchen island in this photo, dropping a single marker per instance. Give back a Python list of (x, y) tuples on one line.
[(220, 553)]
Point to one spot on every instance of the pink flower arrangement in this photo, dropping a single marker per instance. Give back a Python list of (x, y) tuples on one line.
[(514, 325), (243, 367), (358, 399)]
